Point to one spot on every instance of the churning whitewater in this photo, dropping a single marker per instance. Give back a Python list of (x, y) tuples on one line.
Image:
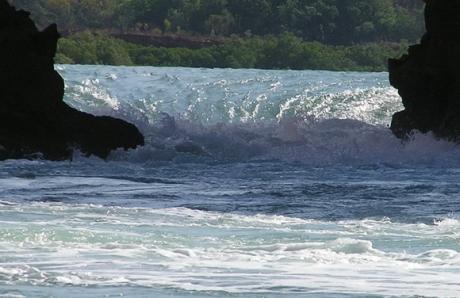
[(252, 183)]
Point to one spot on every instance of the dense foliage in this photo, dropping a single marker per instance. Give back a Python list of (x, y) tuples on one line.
[(284, 52), (295, 34), (327, 21)]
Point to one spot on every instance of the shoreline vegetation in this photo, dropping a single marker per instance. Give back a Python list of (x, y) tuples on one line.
[(285, 51), (352, 35)]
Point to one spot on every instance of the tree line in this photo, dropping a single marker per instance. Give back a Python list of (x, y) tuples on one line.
[(334, 22)]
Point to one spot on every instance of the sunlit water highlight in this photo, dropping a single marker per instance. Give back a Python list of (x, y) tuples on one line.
[(252, 184)]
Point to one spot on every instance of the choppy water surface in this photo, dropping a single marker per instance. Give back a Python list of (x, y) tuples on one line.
[(252, 184)]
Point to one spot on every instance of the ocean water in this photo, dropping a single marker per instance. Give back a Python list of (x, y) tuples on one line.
[(252, 183)]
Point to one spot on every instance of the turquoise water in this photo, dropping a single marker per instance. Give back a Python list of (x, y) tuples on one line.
[(252, 184)]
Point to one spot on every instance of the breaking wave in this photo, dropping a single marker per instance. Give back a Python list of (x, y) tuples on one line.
[(314, 117)]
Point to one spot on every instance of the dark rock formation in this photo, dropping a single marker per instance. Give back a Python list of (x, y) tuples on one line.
[(428, 78), (33, 117)]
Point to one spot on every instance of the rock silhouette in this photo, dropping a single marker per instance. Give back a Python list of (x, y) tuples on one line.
[(428, 78), (34, 120)]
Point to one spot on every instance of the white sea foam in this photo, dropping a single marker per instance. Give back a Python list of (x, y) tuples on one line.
[(327, 142), (209, 251)]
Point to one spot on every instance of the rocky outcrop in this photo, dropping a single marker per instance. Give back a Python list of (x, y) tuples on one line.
[(428, 78), (33, 116)]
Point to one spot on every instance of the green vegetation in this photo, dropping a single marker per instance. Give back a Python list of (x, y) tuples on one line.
[(296, 34), (283, 52), (327, 21)]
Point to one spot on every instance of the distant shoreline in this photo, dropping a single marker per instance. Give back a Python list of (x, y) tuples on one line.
[(284, 51)]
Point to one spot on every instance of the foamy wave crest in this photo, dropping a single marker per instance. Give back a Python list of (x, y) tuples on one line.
[(317, 118)]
